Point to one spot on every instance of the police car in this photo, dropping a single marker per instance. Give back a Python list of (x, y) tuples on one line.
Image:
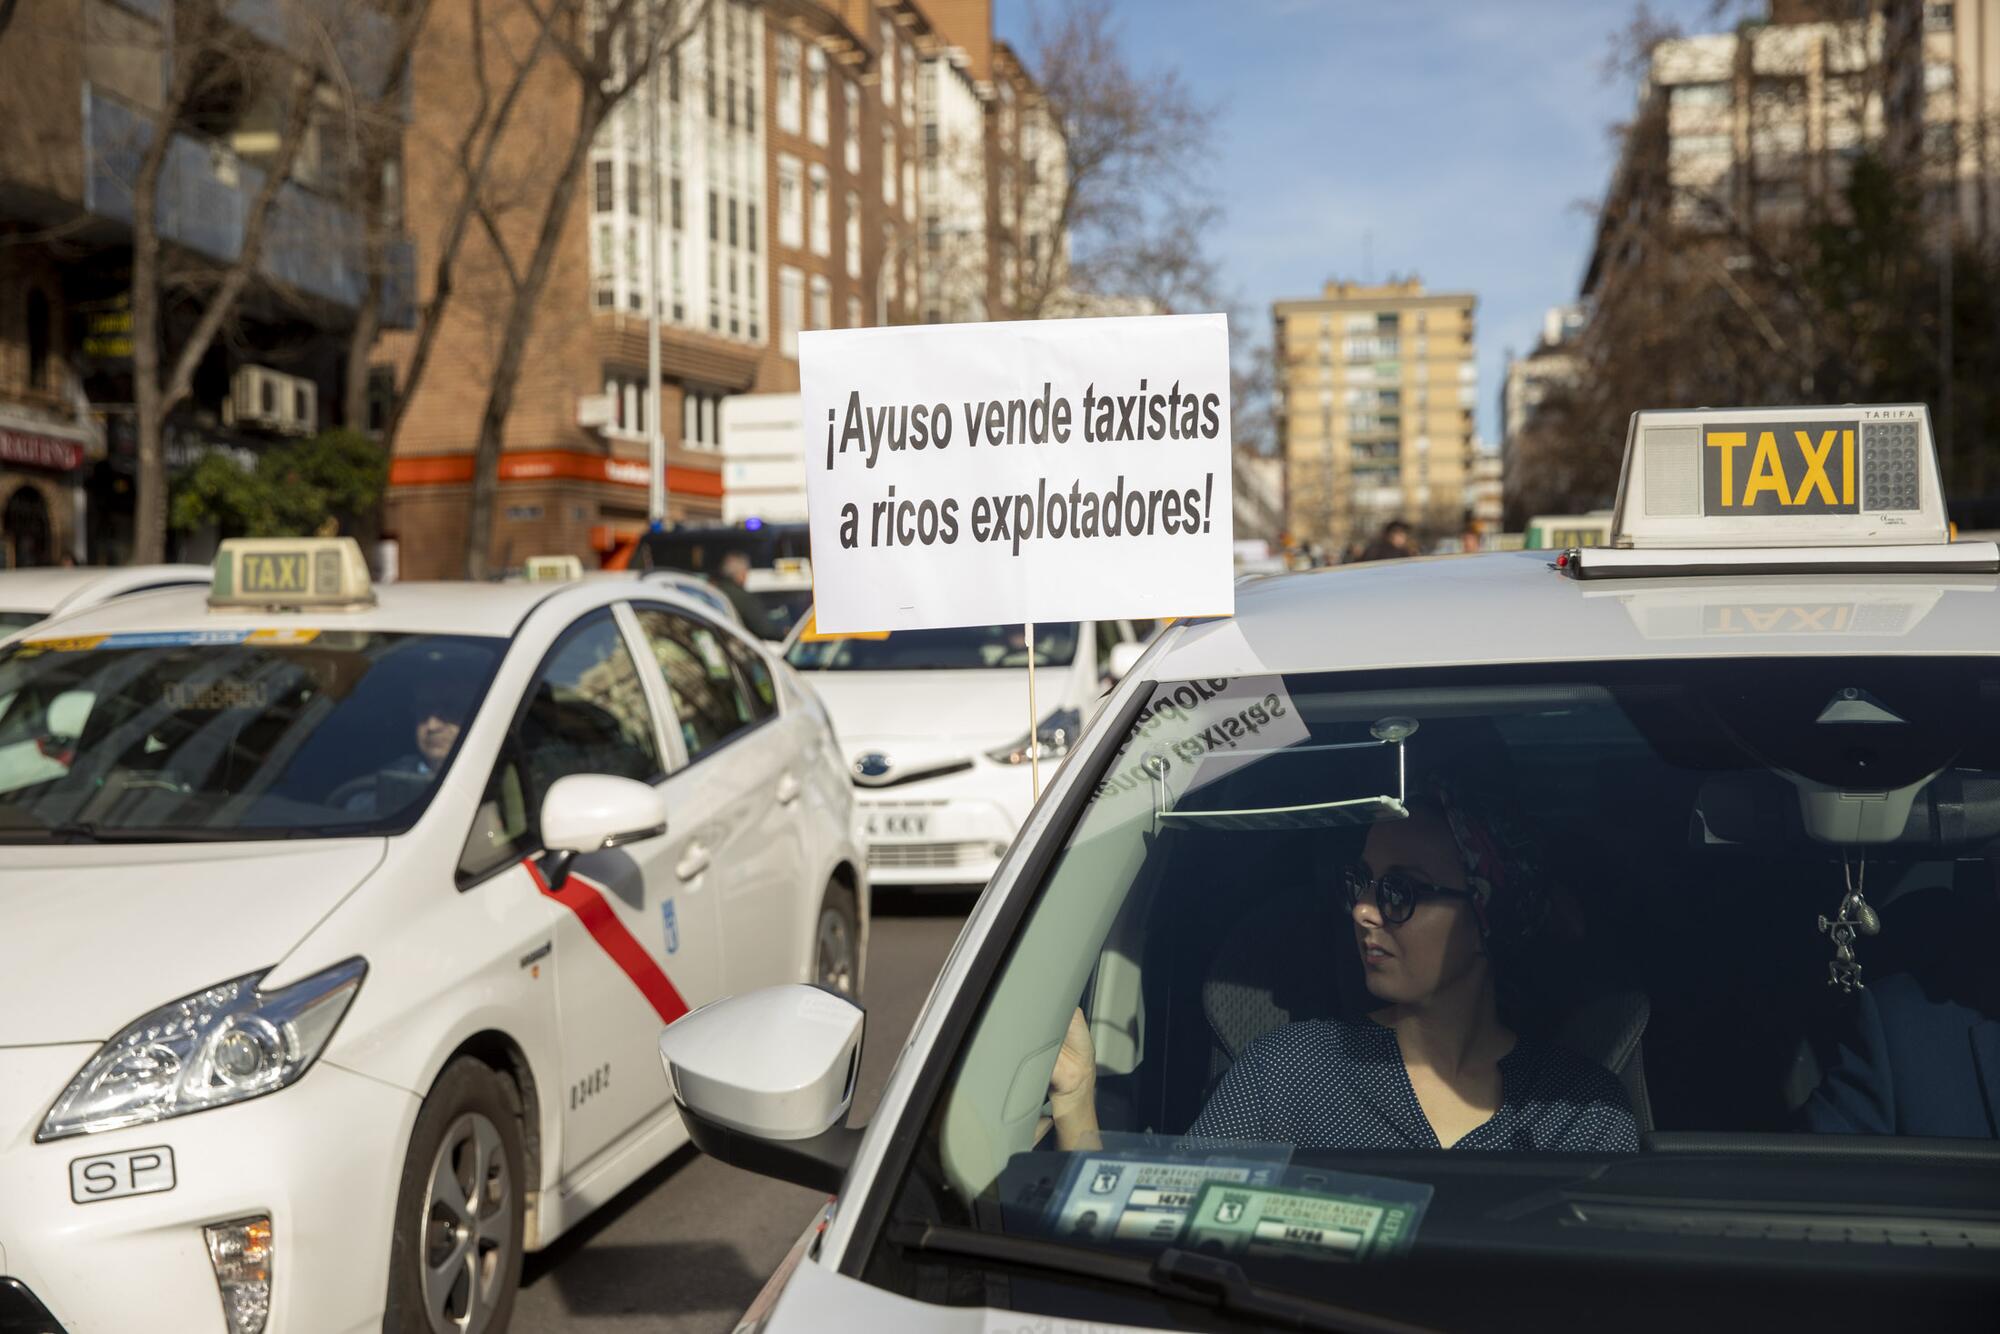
[(337, 926), (935, 729), (1686, 845), (29, 597)]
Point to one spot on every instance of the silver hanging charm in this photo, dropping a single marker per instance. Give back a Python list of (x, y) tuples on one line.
[(1856, 918)]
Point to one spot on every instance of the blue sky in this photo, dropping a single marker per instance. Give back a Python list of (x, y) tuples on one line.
[(1359, 138)]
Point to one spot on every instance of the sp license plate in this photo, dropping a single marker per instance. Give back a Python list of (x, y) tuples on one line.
[(111, 1176), (896, 824)]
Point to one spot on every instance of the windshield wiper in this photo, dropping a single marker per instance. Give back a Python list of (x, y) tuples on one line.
[(1174, 1273), (82, 831)]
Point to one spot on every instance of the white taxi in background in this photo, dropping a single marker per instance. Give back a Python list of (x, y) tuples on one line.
[(338, 926), (1725, 797), (29, 597), (934, 726)]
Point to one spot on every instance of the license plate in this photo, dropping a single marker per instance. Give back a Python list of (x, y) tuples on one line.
[(111, 1176), (896, 824)]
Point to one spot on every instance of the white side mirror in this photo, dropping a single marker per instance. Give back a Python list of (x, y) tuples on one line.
[(587, 813), (1124, 657), (590, 812), (764, 1080)]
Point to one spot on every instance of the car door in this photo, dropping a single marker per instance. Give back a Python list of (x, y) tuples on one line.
[(635, 951), (740, 791)]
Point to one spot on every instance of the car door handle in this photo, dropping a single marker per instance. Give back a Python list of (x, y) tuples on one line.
[(693, 862), (788, 788)]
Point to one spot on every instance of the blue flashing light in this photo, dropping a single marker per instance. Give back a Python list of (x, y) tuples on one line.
[(752, 525)]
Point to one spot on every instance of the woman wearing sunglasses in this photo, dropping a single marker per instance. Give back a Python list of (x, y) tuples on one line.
[(1437, 902)]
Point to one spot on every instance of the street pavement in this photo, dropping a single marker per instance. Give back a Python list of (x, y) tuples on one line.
[(688, 1245)]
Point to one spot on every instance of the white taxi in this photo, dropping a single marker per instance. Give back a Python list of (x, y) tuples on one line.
[(934, 725), (1588, 939), (337, 926), (29, 597)]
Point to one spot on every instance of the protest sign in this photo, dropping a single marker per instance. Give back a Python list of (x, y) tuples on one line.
[(1056, 470)]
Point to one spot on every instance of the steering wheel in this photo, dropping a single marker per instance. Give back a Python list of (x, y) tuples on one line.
[(353, 787)]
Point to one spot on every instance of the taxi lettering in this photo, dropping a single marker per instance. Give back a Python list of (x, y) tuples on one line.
[(275, 572), (1788, 468), (1821, 618)]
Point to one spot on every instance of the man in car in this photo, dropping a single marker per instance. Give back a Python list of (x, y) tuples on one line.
[(435, 730)]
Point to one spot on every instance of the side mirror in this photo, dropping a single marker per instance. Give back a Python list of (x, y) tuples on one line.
[(586, 813), (1124, 657), (764, 1081)]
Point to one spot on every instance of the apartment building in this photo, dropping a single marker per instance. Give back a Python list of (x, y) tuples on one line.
[(81, 92), (1551, 365), (1377, 386)]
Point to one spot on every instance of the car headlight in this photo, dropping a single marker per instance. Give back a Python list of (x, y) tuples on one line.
[(1054, 735), (210, 1049)]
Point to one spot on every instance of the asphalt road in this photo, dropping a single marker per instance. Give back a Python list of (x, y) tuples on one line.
[(688, 1246)]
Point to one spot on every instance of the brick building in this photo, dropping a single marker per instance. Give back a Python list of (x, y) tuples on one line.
[(799, 143)]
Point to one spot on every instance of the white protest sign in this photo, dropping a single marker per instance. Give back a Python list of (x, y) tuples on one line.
[(1052, 470)]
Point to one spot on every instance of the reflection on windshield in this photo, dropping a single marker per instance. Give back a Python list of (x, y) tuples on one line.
[(963, 648), (1318, 950), (317, 733), (14, 620)]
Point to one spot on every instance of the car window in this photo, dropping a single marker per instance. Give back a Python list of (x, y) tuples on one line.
[(754, 674), (1674, 876), (710, 703), (1109, 635), (585, 713), (960, 648), (221, 734)]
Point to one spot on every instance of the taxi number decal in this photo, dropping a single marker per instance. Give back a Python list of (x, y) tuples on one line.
[(582, 898), (592, 1084), (113, 1176), (1795, 468)]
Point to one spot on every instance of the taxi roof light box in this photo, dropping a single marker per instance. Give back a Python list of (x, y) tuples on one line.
[(1779, 490), (290, 573)]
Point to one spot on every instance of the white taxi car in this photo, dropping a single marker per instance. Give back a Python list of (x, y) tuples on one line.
[(934, 725), (1660, 880), (29, 597), (337, 930)]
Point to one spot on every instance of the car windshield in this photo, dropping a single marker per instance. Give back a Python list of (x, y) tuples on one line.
[(782, 609), (231, 736), (1207, 1032), (966, 647)]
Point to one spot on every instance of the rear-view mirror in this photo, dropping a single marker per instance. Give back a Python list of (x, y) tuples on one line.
[(586, 813)]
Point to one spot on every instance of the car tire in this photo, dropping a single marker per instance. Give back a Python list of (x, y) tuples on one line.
[(462, 1200), (837, 942)]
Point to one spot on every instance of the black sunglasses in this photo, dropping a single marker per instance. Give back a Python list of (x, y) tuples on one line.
[(1396, 893)]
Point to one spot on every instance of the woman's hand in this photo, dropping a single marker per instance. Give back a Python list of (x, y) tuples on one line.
[(1073, 1089)]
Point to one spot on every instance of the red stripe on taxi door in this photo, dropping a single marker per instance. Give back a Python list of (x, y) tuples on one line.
[(581, 897)]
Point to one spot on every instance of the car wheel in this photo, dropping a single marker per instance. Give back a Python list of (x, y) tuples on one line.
[(837, 942), (456, 1260)]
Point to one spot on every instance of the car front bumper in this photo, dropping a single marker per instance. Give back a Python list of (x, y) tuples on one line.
[(948, 830), (320, 1159)]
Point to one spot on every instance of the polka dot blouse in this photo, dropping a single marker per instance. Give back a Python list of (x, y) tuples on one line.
[(1337, 1085)]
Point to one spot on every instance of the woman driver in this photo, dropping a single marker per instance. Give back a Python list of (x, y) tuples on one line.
[(1434, 1067)]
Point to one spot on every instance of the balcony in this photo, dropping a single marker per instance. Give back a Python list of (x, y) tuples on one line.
[(311, 244)]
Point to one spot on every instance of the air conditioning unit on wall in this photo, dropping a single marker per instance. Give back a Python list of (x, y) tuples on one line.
[(273, 401)]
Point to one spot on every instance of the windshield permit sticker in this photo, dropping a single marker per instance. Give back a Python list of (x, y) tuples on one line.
[(1346, 1217), (1193, 732), (1131, 1195)]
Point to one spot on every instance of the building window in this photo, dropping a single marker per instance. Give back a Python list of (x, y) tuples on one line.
[(888, 163), (791, 309), (822, 220), (909, 81), (854, 312), (733, 233), (816, 95), (39, 340), (1937, 17), (822, 303), (888, 62), (910, 189), (600, 198), (674, 202), (851, 126), (853, 234), (788, 83), (701, 415), (750, 228), (714, 217), (791, 203), (729, 101)]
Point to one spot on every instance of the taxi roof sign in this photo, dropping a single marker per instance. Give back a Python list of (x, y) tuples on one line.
[(290, 572), (552, 569), (1779, 489)]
